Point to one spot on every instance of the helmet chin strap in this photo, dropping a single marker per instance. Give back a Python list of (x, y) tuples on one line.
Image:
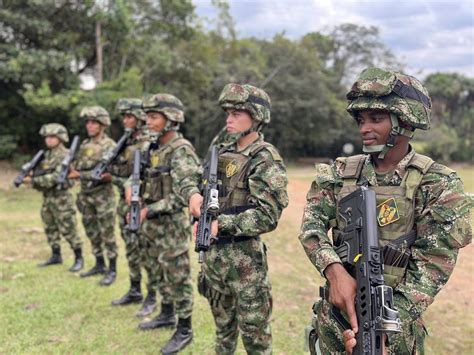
[(167, 128), (384, 148), (256, 127)]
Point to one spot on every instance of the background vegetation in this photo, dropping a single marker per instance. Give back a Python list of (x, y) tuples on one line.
[(149, 46)]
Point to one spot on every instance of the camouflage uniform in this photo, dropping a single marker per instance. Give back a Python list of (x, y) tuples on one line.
[(418, 195), (57, 211), (171, 169), (121, 169), (96, 203), (252, 195)]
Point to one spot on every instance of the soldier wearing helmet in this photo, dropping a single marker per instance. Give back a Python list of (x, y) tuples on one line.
[(133, 119), (57, 211), (428, 212), (171, 165), (252, 195), (97, 203)]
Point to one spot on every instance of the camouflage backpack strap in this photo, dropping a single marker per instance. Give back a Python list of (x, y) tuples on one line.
[(270, 148), (416, 169), (352, 169), (178, 143)]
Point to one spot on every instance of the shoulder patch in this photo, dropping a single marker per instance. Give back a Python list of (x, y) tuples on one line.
[(324, 175)]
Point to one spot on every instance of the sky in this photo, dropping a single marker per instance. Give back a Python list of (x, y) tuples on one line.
[(427, 35)]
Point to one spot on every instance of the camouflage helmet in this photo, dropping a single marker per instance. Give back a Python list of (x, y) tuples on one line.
[(400, 94), (132, 107), (54, 129), (96, 113), (249, 98), (167, 104)]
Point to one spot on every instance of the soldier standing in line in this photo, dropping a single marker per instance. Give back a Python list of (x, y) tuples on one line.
[(97, 202), (172, 166), (252, 195), (133, 118), (421, 207), (57, 212)]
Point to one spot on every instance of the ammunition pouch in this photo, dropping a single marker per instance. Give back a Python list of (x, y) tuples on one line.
[(214, 297)]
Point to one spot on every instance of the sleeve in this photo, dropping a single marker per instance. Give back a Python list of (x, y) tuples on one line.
[(443, 226), (185, 172), (320, 209), (49, 180), (267, 183)]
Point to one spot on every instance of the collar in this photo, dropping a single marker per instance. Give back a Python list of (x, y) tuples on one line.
[(233, 147)]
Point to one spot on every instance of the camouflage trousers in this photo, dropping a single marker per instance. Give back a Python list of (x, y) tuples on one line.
[(165, 253), (59, 218), (98, 218), (410, 341), (235, 281)]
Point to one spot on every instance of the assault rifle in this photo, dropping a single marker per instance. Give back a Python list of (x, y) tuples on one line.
[(210, 205), (67, 161), (134, 223), (28, 167), (107, 159), (361, 255)]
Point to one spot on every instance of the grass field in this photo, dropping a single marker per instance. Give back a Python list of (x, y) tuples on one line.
[(53, 311)]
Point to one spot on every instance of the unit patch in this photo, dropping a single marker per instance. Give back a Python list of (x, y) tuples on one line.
[(231, 168), (387, 212)]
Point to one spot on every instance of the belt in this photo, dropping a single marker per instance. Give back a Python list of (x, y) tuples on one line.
[(230, 240)]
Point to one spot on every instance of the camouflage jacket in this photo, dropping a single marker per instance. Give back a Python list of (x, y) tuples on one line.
[(88, 156), (47, 172), (442, 222), (122, 167), (267, 184), (184, 171)]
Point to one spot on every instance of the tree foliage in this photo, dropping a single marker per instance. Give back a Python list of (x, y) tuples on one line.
[(151, 46)]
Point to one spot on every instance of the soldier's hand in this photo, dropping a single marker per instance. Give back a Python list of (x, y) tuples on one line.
[(74, 174), (350, 342), (214, 228), (128, 196), (342, 291), (143, 214), (195, 230), (195, 203), (27, 179), (106, 177)]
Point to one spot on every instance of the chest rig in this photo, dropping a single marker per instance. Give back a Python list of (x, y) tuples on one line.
[(157, 177), (395, 212), (89, 155), (232, 173), (123, 165)]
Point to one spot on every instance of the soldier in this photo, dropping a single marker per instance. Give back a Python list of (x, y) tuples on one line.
[(172, 168), (97, 203), (133, 118), (57, 212), (252, 195), (419, 202)]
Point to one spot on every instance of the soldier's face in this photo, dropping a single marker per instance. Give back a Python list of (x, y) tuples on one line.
[(374, 126), (51, 141), (155, 121), (238, 121), (129, 121), (93, 128)]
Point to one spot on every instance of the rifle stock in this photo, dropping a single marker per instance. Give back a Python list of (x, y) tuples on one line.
[(28, 167)]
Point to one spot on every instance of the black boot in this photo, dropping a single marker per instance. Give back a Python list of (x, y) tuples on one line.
[(78, 262), (55, 257), (149, 305), (99, 267), (111, 273), (166, 318), (134, 295), (181, 337)]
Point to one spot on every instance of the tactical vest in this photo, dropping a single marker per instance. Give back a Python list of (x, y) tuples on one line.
[(48, 165), (123, 165), (90, 155), (395, 211), (232, 174), (157, 177)]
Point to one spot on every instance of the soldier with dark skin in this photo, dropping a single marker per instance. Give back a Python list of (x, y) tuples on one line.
[(133, 119), (57, 212), (96, 203), (171, 167), (420, 203), (252, 194)]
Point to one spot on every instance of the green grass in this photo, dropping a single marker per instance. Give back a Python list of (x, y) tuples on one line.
[(51, 310)]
